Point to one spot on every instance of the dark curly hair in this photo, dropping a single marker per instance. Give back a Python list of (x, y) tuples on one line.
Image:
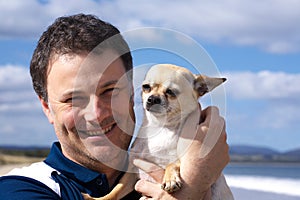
[(74, 34)]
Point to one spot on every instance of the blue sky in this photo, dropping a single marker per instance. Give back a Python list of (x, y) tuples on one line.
[(255, 45)]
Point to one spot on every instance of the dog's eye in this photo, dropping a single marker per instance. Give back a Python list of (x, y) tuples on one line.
[(146, 88), (170, 93)]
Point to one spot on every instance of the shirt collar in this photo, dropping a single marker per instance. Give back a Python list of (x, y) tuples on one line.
[(93, 181)]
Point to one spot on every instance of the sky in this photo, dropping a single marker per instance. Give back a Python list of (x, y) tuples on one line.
[(254, 44)]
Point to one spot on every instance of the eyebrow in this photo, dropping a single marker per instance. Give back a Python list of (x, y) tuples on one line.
[(71, 93), (109, 83)]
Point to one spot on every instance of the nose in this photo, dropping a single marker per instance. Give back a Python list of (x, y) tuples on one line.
[(96, 110), (152, 100)]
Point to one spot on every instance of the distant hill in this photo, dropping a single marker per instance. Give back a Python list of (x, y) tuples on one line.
[(29, 151), (251, 150), (245, 153), (295, 152)]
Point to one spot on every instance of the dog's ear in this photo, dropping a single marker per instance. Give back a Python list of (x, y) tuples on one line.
[(204, 84)]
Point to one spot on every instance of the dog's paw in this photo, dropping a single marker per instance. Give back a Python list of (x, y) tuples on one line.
[(87, 197), (172, 183)]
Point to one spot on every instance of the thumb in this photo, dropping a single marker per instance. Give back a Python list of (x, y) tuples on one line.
[(151, 169), (188, 132), (147, 188)]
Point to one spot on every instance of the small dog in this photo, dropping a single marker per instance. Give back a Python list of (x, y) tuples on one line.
[(170, 94)]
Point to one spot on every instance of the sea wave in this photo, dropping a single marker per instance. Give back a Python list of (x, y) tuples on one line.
[(287, 186)]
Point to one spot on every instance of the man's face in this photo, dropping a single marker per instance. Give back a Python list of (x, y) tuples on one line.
[(90, 106)]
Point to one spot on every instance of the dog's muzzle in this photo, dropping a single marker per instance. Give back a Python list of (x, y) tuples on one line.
[(155, 104)]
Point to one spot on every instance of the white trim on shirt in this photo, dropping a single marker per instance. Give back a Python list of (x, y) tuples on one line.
[(39, 171)]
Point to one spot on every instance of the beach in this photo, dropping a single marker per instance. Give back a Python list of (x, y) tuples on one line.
[(243, 194), (264, 181), (9, 162), (6, 168)]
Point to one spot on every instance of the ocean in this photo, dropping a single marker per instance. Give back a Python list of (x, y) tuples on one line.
[(261, 181)]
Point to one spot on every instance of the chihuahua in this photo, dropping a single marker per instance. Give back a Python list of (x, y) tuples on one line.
[(170, 94)]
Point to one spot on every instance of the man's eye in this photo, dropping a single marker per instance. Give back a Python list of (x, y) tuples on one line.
[(69, 100), (111, 91), (74, 100), (146, 88)]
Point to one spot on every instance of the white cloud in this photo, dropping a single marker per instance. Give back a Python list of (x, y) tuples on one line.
[(17, 94), (271, 99), (268, 24), (12, 76), (265, 85), (263, 107), (21, 119), (19, 107), (283, 116)]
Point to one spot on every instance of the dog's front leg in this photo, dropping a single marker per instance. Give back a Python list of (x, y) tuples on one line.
[(124, 187), (172, 181)]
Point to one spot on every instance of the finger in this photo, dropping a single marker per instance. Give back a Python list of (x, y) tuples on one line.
[(190, 125), (212, 121), (208, 113), (151, 169), (198, 132), (225, 147), (188, 132), (211, 130), (212, 135), (147, 188)]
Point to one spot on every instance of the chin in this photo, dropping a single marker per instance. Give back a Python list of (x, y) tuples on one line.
[(111, 157)]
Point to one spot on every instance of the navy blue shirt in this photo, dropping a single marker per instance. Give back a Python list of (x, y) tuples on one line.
[(72, 178)]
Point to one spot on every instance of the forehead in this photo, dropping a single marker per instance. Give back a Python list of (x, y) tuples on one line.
[(84, 72), (169, 75)]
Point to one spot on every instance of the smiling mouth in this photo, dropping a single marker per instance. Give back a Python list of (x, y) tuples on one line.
[(98, 132)]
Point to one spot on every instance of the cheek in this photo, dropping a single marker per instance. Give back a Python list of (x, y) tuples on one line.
[(121, 103), (122, 111), (70, 119)]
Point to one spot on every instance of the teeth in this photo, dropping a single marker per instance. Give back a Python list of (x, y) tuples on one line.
[(98, 132)]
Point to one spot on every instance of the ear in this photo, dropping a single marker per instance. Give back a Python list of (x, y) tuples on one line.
[(204, 84), (47, 110)]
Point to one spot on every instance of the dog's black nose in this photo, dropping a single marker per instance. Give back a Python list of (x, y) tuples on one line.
[(152, 100)]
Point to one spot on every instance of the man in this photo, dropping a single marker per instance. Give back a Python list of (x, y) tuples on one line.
[(82, 73)]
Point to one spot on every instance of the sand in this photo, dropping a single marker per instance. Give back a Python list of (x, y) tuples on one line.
[(6, 168)]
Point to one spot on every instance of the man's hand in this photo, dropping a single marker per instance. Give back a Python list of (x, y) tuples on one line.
[(204, 154), (207, 152), (148, 189)]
